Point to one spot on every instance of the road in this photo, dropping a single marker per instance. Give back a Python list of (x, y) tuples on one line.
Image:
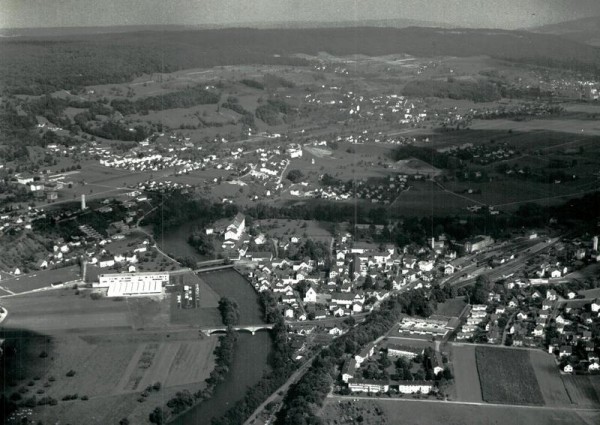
[(468, 403)]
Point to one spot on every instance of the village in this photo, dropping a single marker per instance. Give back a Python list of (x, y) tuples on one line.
[(536, 305)]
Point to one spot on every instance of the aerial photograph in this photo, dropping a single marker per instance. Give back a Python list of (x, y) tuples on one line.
[(283, 212)]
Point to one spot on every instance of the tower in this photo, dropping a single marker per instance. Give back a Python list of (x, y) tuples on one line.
[(83, 202), (595, 243)]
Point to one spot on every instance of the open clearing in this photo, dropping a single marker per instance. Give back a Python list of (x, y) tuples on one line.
[(549, 379), (506, 376), (465, 373), (418, 412)]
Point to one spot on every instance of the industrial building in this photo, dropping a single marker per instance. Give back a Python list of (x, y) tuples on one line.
[(133, 284)]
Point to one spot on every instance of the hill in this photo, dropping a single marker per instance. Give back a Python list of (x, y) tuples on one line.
[(586, 30), (35, 65)]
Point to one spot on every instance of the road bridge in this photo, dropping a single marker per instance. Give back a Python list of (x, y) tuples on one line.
[(247, 328)]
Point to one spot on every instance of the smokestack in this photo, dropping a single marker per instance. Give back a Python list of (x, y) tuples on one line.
[(83, 202)]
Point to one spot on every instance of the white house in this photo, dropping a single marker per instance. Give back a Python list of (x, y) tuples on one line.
[(236, 228), (310, 296), (368, 386), (414, 387)]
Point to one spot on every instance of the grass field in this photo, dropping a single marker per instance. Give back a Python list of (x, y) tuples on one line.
[(584, 127), (507, 376), (417, 412), (280, 228), (465, 373), (583, 390), (451, 308), (110, 369), (549, 378), (40, 279)]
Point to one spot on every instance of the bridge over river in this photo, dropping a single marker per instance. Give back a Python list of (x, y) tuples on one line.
[(247, 328)]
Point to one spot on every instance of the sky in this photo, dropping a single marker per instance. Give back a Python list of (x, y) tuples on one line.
[(507, 14)]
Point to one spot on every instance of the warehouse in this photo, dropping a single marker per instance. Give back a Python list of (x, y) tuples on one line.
[(133, 284)]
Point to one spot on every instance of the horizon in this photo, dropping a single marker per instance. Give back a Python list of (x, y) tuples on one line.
[(511, 15)]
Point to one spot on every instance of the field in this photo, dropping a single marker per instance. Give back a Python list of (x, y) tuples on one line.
[(420, 412), (506, 376), (549, 379), (207, 314), (451, 308), (279, 228), (108, 369), (583, 390), (61, 310), (585, 127), (40, 279), (465, 373), (115, 350)]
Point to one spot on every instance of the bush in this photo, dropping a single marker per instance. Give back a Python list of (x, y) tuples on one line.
[(30, 402), (95, 295), (71, 373), (43, 355), (156, 386), (295, 176), (46, 400)]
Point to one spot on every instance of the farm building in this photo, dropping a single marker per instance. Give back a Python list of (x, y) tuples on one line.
[(132, 284)]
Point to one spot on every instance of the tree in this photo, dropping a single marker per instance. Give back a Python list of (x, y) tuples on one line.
[(368, 283), (158, 416), (302, 287), (447, 374), (295, 176)]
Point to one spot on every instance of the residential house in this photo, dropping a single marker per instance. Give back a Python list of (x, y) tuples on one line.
[(414, 387), (310, 296), (368, 386)]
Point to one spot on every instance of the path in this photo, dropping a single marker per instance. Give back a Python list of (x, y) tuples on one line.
[(468, 403)]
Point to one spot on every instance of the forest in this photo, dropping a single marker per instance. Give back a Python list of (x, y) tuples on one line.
[(477, 91), (38, 66)]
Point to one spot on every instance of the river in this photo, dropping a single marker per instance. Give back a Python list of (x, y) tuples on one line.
[(249, 363), (175, 241), (251, 351)]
